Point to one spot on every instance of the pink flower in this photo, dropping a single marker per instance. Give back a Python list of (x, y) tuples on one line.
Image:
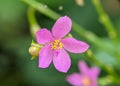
[(87, 77), (55, 45)]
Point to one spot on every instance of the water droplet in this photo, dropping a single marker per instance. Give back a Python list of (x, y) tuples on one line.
[(60, 7), (45, 6)]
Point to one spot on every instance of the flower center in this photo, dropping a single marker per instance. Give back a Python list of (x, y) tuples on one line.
[(56, 44), (86, 81)]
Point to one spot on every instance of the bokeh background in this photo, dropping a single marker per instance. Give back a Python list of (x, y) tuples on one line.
[(16, 68)]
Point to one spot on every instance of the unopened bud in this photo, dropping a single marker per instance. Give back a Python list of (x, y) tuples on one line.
[(68, 35), (34, 49), (89, 52)]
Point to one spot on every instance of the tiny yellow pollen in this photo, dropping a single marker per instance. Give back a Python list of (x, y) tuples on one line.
[(56, 44), (86, 81)]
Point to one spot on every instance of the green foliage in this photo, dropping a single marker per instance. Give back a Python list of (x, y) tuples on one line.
[(16, 68)]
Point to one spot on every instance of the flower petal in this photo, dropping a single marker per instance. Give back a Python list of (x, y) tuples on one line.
[(94, 84), (83, 68), (74, 45), (62, 61), (94, 72), (62, 27), (43, 36), (75, 79), (45, 56)]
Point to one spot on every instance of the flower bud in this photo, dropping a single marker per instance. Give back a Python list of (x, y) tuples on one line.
[(34, 49)]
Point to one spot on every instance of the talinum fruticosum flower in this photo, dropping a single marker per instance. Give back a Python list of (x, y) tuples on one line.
[(86, 77), (55, 45)]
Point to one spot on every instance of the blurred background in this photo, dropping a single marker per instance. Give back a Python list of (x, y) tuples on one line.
[(16, 68)]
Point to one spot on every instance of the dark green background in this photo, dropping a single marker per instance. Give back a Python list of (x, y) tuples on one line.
[(16, 68)]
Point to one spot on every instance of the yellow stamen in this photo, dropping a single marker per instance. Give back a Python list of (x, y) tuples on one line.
[(56, 44), (86, 81)]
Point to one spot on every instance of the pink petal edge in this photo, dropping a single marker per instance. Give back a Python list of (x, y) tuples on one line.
[(74, 46), (74, 79), (45, 56), (83, 68), (43, 36), (94, 72), (62, 61), (62, 27)]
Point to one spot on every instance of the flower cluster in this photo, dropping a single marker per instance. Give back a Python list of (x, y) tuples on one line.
[(55, 44)]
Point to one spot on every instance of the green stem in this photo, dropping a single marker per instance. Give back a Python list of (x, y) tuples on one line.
[(42, 9), (91, 37), (76, 28), (79, 30), (105, 20), (34, 26), (107, 68)]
